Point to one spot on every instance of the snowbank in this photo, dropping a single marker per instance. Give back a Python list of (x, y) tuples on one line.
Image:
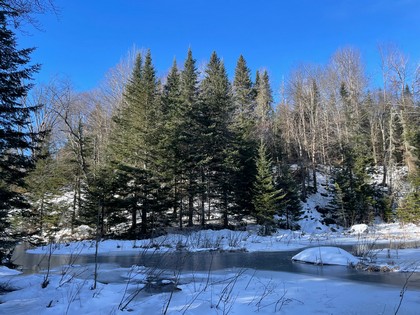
[(227, 292), (326, 256), (4, 271), (359, 229)]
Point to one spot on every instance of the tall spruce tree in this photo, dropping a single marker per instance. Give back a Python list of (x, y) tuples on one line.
[(219, 156), (188, 135), (16, 142), (409, 209), (44, 181), (266, 197), (244, 125), (171, 103), (354, 195), (134, 144), (289, 207), (243, 95), (263, 109)]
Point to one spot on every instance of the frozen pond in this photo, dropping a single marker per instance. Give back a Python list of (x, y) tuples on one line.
[(191, 262)]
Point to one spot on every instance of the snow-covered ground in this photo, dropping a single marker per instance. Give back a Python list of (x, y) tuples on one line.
[(230, 291), (146, 290)]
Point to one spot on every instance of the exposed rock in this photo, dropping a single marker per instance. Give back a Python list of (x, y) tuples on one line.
[(154, 285)]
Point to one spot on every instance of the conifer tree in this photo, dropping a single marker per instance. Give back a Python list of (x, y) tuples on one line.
[(43, 182), (134, 143), (289, 207), (218, 154), (16, 142), (354, 195), (171, 103), (244, 125), (409, 209), (188, 135), (243, 96), (263, 109), (266, 196), (171, 96)]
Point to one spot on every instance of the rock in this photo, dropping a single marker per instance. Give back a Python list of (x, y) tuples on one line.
[(161, 285)]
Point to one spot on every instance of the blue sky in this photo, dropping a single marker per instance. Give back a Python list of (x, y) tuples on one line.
[(90, 37)]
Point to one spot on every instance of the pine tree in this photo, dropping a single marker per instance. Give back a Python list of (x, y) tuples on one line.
[(101, 200), (244, 125), (43, 182), (188, 135), (263, 109), (266, 196), (218, 154), (409, 209), (289, 207), (171, 96), (134, 144), (16, 142), (354, 195), (243, 96), (171, 103)]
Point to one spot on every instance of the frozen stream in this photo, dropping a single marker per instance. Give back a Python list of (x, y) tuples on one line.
[(199, 262)]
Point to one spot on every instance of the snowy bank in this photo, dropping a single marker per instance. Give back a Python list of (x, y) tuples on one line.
[(4, 271), (326, 256)]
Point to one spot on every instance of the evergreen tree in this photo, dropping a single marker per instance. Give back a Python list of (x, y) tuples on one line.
[(16, 142), (218, 154), (188, 135), (263, 109), (102, 198), (135, 141), (409, 209), (171, 96), (266, 196), (354, 195), (244, 126), (243, 96), (171, 104), (43, 182), (289, 207)]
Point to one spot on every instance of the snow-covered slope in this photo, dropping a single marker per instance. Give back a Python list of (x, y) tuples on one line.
[(311, 220)]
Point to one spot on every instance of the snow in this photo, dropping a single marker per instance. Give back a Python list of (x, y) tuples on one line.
[(144, 290), (4, 271), (359, 229), (230, 291), (79, 233), (326, 256), (311, 221)]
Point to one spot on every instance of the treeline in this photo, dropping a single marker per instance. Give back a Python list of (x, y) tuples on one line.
[(185, 152), (144, 153)]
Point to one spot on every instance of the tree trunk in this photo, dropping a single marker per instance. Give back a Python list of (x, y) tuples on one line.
[(143, 221), (73, 214), (225, 210), (181, 206), (175, 203), (203, 198), (134, 219), (42, 214), (102, 222), (190, 210)]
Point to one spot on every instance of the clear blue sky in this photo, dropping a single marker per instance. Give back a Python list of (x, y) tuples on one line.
[(89, 37)]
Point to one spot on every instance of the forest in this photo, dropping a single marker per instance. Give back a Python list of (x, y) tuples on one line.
[(141, 153)]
